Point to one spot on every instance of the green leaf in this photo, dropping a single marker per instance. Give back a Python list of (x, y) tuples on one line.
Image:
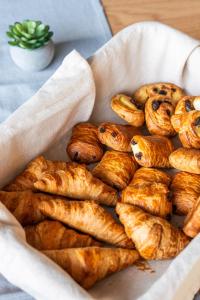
[(13, 43), (9, 34), (31, 26)]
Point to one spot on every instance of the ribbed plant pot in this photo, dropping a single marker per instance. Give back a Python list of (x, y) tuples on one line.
[(33, 60)]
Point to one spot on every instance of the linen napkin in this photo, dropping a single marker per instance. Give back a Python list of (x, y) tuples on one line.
[(29, 131), (142, 53)]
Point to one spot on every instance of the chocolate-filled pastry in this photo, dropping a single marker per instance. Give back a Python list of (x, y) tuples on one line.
[(84, 146), (53, 235), (149, 190), (128, 109), (116, 169), (189, 132), (169, 90), (32, 173), (187, 160), (158, 112), (185, 192), (152, 151), (192, 221), (184, 105), (117, 136), (91, 264), (154, 237), (76, 182)]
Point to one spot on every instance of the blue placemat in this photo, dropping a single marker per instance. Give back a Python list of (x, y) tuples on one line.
[(79, 25)]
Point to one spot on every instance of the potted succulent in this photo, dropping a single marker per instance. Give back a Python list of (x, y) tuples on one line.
[(31, 47)]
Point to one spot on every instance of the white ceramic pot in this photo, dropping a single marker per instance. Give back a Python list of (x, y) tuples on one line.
[(33, 60)]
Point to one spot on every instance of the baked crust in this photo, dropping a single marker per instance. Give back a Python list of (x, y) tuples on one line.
[(128, 109), (84, 145), (152, 151), (187, 160)]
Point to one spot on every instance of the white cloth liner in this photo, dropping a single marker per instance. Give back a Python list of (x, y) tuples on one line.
[(142, 53)]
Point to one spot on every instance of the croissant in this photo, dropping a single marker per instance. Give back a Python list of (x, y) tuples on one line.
[(185, 190), (78, 183), (24, 205), (116, 169), (192, 221), (154, 237), (89, 218), (52, 235), (84, 146), (117, 136), (25, 181), (128, 109), (149, 190), (183, 106), (158, 112), (91, 264), (169, 90), (189, 132), (152, 151), (187, 160)]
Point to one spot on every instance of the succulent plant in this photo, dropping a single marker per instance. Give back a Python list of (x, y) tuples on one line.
[(29, 34)]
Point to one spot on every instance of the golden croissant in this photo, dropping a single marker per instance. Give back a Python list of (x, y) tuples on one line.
[(25, 181), (183, 106), (128, 109), (152, 151), (84, 146), (24, 205), (89, 218), (158, 112), (154, 237), (187, 160), (169, 90), (78, 183), (185, 192), (189, 132), (192, 221), (149, 190), (116, 169), (52, 235), (117, 136), (91, 264)]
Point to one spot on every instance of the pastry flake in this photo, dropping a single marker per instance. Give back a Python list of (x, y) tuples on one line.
[(89, 218), (166, 89), (91, 264), (154, 237), (76, 182), (52, 235), (117, 136), (152, 151), (128, 109), (84, 145), (149, 191), (187, 160), (116, 169)]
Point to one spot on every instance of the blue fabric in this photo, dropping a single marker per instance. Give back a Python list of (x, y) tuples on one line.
[(77, 24)]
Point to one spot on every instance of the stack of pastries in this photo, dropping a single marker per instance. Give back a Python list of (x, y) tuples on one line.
[(63, 206)]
